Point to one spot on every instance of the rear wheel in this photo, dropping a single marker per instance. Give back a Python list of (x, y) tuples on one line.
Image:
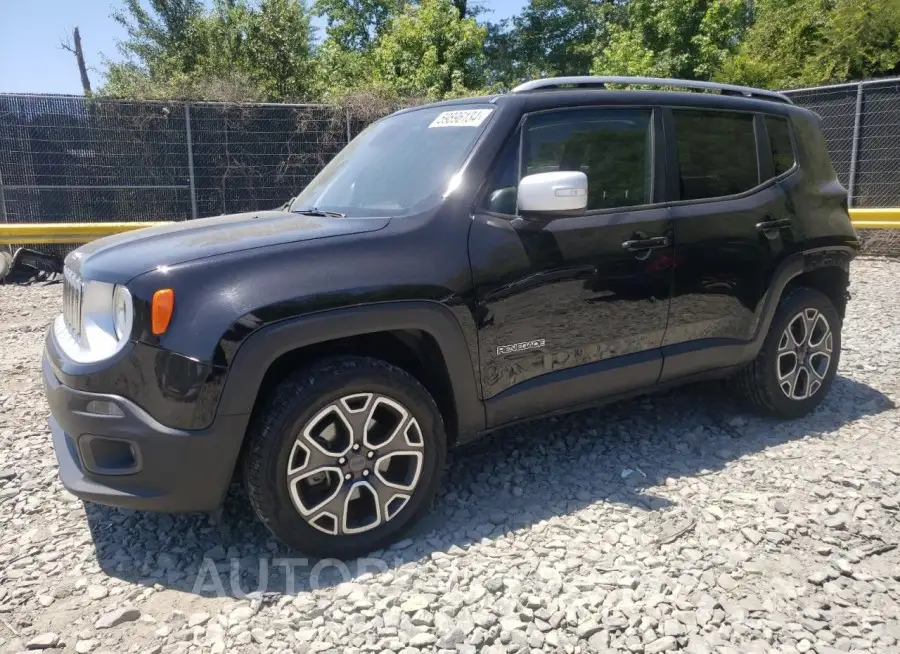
[(798, 361), (345, 457)]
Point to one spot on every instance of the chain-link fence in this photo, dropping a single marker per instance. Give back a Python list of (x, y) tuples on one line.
[(862, 128), (71, 159), (68, 159)]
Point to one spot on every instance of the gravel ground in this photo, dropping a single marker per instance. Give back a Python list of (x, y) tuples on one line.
[(674, 522)]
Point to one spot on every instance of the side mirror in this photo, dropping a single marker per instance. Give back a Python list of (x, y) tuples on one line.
[(545, 196)]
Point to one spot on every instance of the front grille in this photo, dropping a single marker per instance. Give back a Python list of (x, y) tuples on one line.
[(72, 300)]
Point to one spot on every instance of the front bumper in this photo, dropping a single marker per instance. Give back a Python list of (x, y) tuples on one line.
[(131, 460)]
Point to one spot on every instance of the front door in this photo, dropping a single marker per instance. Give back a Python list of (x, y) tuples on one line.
[(732, 228), (573, 309)]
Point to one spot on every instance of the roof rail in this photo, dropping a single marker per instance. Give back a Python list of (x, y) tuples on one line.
[(600, 82)]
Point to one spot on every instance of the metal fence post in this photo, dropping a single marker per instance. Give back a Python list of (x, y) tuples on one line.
[(854, 152), (349, 138), (3, 213), (190, 154)]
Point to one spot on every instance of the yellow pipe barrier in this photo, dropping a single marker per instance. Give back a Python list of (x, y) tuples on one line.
[(54, 233), (875, 218), (51, 233)]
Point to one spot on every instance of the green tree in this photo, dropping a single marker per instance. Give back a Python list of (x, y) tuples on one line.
[(429, 51), (811, 42), (235, 50), (549, 37), (264, 49), (354, 25), (280, 51), (159, 44), (162, 31), (352, 29), (673, 38)]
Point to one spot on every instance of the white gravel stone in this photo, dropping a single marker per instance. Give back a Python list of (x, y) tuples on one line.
[(242, 614), (536, 542), (697, 645), (423, 639), (752, 535), (588, 629), (415, 603), (85, 646), (46, 640), (96, 592), (726, 581), (664, 644), (116, 617), (673, 628)]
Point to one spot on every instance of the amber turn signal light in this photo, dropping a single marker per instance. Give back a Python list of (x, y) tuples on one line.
[(161, 310)]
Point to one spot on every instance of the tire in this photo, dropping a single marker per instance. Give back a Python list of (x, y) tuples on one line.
[(769, 384), (5, 263), (328, 409)]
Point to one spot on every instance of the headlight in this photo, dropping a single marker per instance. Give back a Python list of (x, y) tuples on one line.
[(104, 323), (122, 312)]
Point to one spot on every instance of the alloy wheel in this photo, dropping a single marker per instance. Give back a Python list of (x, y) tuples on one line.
[(804, 354), (355, 464)]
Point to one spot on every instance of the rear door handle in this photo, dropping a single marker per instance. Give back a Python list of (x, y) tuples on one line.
[(640, 244), (769, 225)]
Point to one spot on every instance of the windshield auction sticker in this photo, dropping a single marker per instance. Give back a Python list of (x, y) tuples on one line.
[(466, 118)]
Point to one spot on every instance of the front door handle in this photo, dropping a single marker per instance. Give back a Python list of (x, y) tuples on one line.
[(770, 224), (641, 244)]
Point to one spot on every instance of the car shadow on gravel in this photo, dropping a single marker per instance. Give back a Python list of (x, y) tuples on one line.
[(513, 479)]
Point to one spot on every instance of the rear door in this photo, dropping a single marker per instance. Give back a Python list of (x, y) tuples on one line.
[(732, 228)]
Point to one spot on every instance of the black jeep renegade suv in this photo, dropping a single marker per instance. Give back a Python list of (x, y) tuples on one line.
[(457, 267)]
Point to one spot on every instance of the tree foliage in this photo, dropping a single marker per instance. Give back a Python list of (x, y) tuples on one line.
[(279, 53), (234, 50), (810, 42), (160, 32), (549, 37), (429, 51), (265, 49), (673, 38), (354, 25)]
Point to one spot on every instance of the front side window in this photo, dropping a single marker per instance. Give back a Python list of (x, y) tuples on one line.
[(613, 147), (780, 141), (398, 166), (716, 153)]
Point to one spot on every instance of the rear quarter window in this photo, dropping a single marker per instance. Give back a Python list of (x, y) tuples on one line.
[(779, 131), (811, 149)]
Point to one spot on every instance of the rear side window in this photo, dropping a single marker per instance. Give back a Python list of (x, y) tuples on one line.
[(716, 153), (780, 140)]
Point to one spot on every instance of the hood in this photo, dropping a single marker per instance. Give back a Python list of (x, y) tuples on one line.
[(124, 256)]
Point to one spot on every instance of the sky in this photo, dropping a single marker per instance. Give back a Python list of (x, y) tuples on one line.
[(31, 60)]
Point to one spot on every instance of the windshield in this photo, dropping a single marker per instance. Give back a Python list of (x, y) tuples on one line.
[(398, 166)]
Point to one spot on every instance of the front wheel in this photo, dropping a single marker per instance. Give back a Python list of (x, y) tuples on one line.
[(798, 361), (345, 457)]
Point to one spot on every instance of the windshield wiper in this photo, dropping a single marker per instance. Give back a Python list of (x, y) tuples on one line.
[(319, 213)]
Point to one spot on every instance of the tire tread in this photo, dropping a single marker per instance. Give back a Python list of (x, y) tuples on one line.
[(750, 383), (265, 433)]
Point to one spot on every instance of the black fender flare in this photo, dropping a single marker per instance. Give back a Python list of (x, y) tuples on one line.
[(263, 347), (681, 360), (834, 256)]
